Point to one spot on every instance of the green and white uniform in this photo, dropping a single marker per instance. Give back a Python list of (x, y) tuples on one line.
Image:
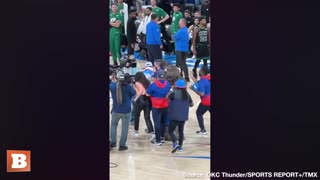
[(175, 22), (160, 13), (114, 36)]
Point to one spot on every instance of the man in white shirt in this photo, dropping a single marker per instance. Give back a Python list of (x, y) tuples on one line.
[(143, 26)]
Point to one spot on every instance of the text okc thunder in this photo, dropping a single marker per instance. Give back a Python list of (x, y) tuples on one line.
[(253, 175)]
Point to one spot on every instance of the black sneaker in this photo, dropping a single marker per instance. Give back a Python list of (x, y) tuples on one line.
[(174, 148), (153, 141), (194, 73), (146, 130), (112, 145), (122, 148), (202, 132), (163, 139)]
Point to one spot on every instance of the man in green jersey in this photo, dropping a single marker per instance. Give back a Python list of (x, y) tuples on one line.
[(114, 33), (177, 15), (120, 7), (121, 10), (162, 17)]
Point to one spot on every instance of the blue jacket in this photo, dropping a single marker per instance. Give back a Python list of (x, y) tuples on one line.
[(127, 94), (181, 39), (204, 86), (153, 34), (178, 107), (158, 91)]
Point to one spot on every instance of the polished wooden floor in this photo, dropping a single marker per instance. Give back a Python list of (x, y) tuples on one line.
[(144, 160)]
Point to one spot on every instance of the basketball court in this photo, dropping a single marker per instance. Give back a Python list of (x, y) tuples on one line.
[(144, 160)]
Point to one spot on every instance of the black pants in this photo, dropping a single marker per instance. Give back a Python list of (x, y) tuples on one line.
[(144, 39), (202, 53), (154, 52), (200, 112), (130, 50), (143, 103), (182, 62), (165, 37), (205, 63), (172, 127), (159, 117)]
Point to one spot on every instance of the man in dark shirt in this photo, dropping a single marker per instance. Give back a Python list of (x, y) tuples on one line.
[(188, 18), (131, 32), (205, 10)]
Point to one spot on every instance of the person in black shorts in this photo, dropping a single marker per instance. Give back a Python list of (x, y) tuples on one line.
[(200, 43)]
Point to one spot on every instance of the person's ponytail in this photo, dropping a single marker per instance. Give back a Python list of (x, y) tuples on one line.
[(119, 92)]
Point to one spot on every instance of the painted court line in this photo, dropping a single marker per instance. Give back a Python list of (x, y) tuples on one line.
[(194, 157)]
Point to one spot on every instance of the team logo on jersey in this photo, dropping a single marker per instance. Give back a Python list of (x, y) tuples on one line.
[(113, 20)]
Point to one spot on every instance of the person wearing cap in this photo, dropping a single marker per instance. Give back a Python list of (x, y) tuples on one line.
[(157, 92), (179, 101), (203, 89), (122, 93), (131, 31), (200, 44), (148, 71), (182, 47)]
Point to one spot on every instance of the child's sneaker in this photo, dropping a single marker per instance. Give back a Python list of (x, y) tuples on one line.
[(175, 146), (153, 136), (135, 134), (180, 149), (156, 143), (202, 132), (163, 139)]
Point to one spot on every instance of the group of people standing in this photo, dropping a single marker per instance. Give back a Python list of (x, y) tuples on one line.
[(191, 36), (163, 92), (164, 96)]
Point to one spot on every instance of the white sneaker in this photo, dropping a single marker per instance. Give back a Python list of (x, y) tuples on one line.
[(153, 137), (135, 134)]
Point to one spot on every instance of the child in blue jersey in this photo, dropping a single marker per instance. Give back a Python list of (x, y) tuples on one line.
[(157, 92), (203, 89)]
